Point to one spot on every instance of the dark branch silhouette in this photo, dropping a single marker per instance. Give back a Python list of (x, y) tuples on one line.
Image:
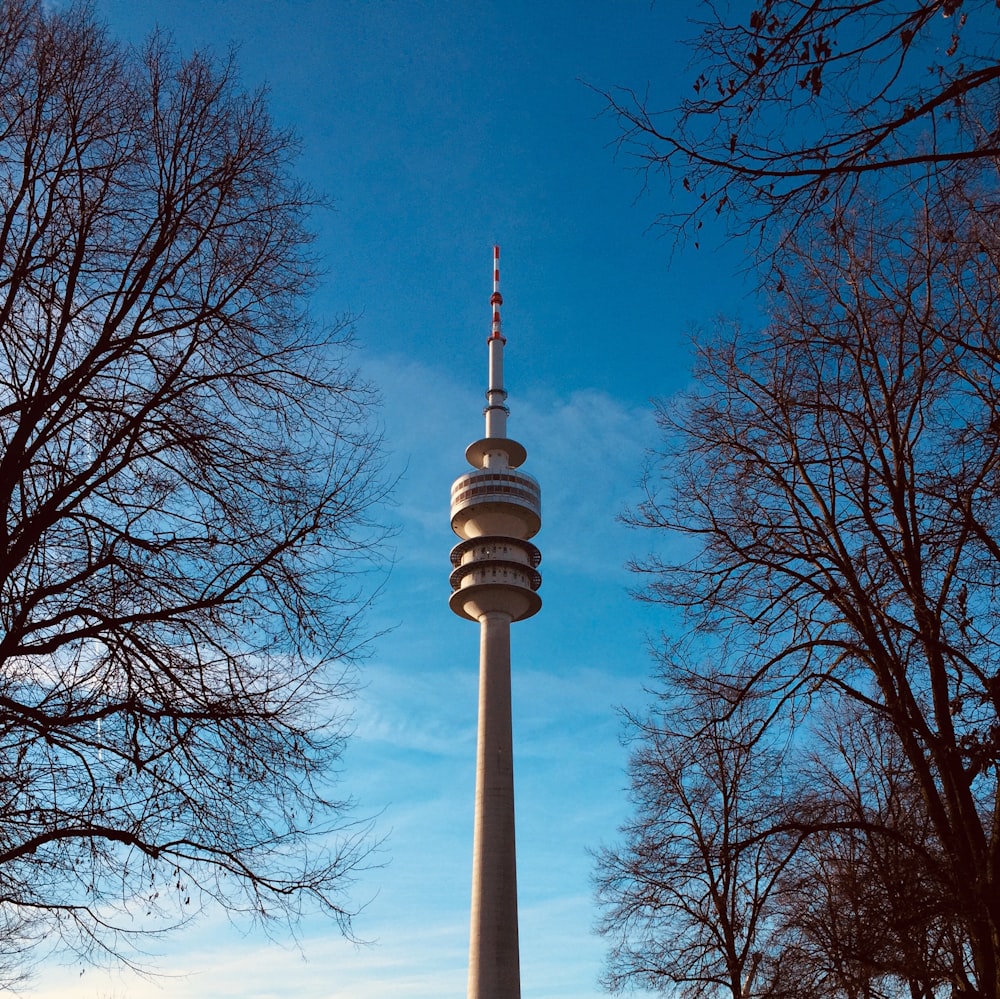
[(833, 479), (188, 472), (794, 102)]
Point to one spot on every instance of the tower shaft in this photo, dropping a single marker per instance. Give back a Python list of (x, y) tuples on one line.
[(494, 962)]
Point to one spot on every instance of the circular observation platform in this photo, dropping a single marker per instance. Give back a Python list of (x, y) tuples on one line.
[(488, 502), (495, 574)]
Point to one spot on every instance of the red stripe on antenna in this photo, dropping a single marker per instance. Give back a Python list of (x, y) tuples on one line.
[(495, 299)]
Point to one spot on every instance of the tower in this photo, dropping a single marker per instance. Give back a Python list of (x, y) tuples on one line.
[(495, 509)]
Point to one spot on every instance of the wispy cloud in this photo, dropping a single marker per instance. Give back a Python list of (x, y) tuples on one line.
[(586, 450)]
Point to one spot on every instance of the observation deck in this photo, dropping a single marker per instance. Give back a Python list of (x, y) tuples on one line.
[(494, 501), (495, 573)]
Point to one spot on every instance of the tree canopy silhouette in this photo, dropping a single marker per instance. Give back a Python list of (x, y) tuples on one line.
[(793, 103), (188, 476), (832, 479)]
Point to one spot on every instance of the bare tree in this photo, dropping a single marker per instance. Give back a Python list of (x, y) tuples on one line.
[(688, 898), (763, 861), (801, 870), (837, 473), (188, 469), (864, 910), (794, 102)]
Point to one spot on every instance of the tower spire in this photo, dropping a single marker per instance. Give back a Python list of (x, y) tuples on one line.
[(495, 509), (496, 299), (496, 411), (495, 449)]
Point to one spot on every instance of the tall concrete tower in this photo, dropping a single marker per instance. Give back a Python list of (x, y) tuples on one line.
[(495, 509)]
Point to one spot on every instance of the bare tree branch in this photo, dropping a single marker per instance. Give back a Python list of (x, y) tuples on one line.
[(189, 471), (795, 101), (836, 477)]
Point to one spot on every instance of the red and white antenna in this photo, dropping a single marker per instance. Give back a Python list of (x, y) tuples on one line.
[(496, 409), (496, 299)]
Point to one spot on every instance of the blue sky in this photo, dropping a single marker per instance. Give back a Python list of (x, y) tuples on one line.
[(439, 128)]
